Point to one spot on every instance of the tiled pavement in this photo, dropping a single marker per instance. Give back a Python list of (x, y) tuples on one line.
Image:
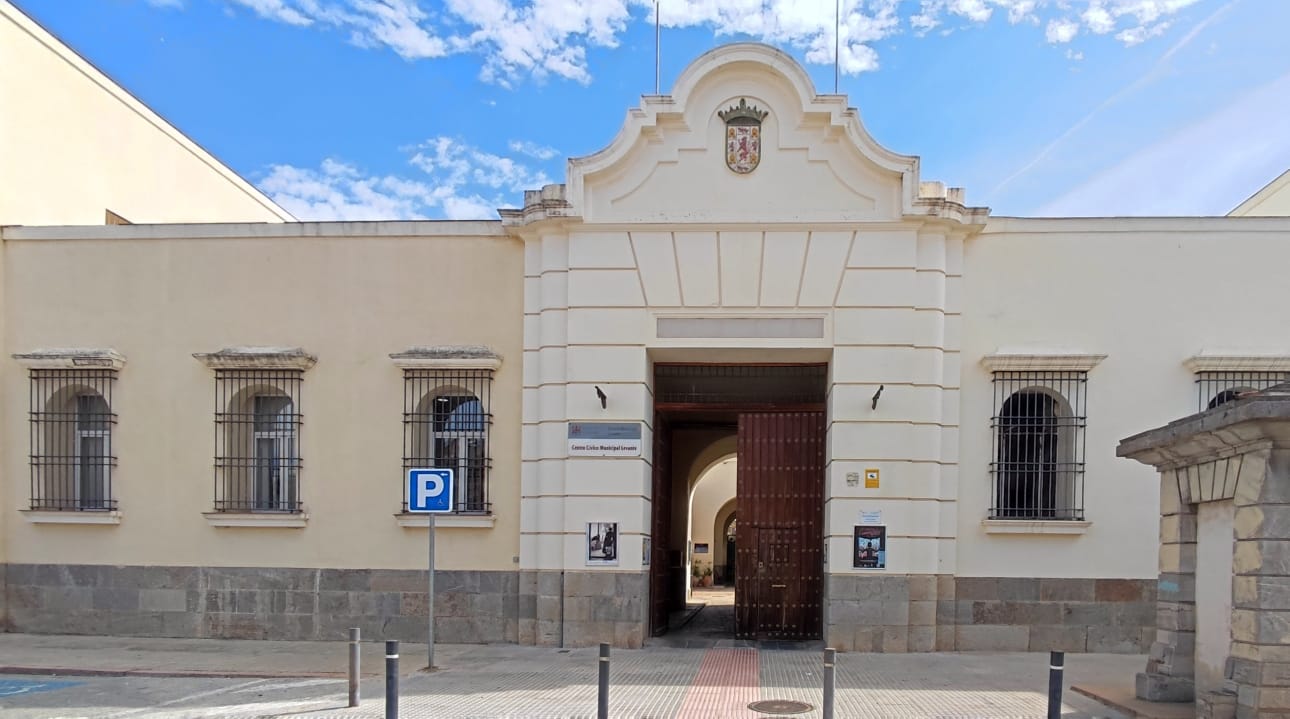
[(667, 683), (306, 679)]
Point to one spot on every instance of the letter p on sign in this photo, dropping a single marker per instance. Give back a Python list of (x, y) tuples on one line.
[(430, 490)]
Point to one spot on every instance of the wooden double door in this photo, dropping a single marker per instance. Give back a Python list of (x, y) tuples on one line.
[(779, 535)]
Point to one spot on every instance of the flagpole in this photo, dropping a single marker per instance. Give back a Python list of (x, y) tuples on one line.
[(837, 31), (657, 48)]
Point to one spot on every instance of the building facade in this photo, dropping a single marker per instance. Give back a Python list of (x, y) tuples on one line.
[(207, 427)]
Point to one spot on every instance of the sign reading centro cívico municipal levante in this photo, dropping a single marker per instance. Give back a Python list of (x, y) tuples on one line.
[(604, 439)]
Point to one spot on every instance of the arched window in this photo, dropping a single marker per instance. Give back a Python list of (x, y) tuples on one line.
[(1216, 388), (446, 426), (71, 439), (1038, 446), (257, 462)]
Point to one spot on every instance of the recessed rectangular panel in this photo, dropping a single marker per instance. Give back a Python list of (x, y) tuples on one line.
[(741, 327)]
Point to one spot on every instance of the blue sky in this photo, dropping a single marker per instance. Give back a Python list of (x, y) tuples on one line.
[(388, 109)]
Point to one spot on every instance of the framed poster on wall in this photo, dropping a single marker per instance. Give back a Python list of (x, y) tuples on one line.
[(602, 542), (869, 547)]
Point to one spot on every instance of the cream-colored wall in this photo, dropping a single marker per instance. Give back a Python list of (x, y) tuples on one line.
[(1273, 200), (76, 144), (351, 294), (715, 488), (1149, 294)]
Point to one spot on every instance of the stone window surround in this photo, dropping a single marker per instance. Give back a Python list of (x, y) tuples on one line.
[(447, 357), (1005, 360), (251, 358), (72, 358), (1237, 362), (1216, 369)]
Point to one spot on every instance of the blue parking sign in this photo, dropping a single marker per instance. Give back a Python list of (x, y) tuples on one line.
[(430, 490)]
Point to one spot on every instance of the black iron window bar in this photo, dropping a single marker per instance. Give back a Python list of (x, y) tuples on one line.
[(71, 439), (447, 417), (1215, 388), (735, 384), (257, 440), (1038, 427)]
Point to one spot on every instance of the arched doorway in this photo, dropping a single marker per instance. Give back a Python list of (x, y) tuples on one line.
[(771, 418), (728, 533)]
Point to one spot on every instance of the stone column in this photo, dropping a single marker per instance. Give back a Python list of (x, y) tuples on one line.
[(1259, 665), (1171, 663)]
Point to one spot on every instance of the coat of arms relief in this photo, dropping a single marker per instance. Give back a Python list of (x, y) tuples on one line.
[(743, 136)]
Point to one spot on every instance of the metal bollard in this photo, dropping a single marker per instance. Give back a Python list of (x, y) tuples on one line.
[(1056, 661), (830, 657), (602, 707), (392, 679), (353, 666)]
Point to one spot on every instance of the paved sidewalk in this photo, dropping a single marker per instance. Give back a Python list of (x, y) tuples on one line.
[(498, 681), (74, 655)]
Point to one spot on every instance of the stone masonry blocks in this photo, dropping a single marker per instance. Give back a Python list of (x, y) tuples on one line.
[(944, 613), (259, 602)]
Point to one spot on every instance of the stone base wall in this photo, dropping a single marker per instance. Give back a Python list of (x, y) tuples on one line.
[(583, 608), (923, 613), (887, 613), (259, 603), (867, 613)]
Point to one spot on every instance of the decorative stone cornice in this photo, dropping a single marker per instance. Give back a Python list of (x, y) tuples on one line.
[(549, 203), (448, 357), (36, 516), (258, 358), (1237, 362), (1009, 361), (72, 359), (261, 520), (1258, 422)]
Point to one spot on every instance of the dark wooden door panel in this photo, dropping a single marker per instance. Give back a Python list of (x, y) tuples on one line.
[(779, 535)]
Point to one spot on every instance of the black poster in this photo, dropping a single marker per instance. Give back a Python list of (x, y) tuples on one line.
[(870, 547)]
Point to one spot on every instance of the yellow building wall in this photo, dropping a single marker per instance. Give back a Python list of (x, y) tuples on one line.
[(351, 297), (1271, 201), (75, 144)]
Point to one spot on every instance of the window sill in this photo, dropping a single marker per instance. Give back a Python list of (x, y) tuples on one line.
[(1035, 526), (256, 519), (39, 516), (411, 520)]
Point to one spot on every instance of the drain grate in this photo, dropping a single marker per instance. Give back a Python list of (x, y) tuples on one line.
[(780, 706)]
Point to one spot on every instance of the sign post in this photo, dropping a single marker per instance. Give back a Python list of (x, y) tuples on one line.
[(430, 491)]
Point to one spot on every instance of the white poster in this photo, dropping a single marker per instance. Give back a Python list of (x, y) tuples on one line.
[(602, 542)]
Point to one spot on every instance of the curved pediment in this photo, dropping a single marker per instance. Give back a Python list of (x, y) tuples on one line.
[(800, 156)]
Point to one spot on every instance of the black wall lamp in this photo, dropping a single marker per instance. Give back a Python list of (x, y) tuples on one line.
[(876, 395), (604, 400)]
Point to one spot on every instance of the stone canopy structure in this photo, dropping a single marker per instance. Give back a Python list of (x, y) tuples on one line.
[(1223, 610)]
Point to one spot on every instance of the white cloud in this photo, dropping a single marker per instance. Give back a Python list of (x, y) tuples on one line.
[(1061, 31), (532, 149), (1098, 19), (276, 10), (1140, 34), (1074, 55), (515, 40), (460, 182)]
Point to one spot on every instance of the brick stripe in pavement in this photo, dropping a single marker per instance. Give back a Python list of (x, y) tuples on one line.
[(726, 683)]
